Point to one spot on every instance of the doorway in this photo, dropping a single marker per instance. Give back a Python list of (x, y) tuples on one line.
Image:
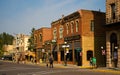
[(113, 50)]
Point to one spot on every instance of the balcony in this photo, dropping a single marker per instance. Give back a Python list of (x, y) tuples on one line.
[(111, 21)]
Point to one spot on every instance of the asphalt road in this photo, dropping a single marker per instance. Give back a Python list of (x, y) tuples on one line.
[(9, 68)]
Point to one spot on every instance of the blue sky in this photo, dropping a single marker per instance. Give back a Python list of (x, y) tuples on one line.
[(20, 16)]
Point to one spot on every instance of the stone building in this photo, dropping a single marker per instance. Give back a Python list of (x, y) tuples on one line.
[(113, 33), (84, 33)]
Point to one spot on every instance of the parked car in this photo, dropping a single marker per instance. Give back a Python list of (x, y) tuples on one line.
[(7, 57)]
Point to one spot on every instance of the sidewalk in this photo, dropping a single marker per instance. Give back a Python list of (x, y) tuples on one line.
[(99, 69)]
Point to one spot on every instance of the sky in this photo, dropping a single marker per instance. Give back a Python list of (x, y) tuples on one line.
[(20, 16)]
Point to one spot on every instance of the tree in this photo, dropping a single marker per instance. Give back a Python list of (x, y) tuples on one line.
[(31, 46), (5, 39)]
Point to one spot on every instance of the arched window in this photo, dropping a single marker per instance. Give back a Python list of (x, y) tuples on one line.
[(55, 33), (61, 32), (77, 26), (113, 43), (72, 27), (67, 30), (40, 37)]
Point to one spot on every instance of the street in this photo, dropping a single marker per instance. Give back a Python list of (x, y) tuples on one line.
[(10, 68)]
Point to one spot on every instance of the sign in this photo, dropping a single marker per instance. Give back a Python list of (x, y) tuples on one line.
[(80, 53), (103, 52)]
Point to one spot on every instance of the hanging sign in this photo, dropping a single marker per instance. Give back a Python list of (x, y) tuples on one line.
[(103, 52)]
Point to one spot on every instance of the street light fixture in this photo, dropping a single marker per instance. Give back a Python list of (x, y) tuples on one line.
[(66, 50)]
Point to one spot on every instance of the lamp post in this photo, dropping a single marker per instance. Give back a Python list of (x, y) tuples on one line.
[(66, 50)]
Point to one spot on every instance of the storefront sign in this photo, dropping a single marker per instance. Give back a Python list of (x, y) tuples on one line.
[(76, 37)]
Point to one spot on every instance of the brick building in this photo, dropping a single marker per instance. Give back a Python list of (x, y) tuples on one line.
[(41, 36), (84, 33), (113, 33)]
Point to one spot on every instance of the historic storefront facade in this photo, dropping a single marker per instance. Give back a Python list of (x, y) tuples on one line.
[(79, 36), (40, 37), (113, 33)]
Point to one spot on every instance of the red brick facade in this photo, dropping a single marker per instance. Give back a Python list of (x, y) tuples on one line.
[(41, 35), (84, 33)]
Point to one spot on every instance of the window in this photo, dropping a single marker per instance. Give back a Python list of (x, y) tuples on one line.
[(77, 25), (67, 30), (40, 37), (72, 27), (92, 25), (35, 39), (55, 33), (61, 32), (113, 8)]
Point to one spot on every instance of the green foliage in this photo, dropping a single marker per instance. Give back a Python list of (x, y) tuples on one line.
[(31, 40), (5, 39)]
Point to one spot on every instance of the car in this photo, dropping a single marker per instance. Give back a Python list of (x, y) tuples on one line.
[(6, 57)]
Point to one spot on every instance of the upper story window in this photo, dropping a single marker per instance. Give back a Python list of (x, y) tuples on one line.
[(67, 28), (55, 33), (113, 9), (92, 25), (77, 26), (40, 37), (72, 27), (61, 32), (35, 39)]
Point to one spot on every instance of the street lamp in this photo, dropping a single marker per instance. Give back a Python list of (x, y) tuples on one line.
[(66, 50)]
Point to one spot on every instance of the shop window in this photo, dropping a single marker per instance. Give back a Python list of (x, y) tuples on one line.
[(89, 54), (70, 55), (62, 55)]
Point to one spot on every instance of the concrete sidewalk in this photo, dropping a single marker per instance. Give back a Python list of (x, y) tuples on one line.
[(99, 69)]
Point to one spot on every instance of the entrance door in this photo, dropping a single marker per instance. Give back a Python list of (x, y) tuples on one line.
[(78, 56), (114, 50)]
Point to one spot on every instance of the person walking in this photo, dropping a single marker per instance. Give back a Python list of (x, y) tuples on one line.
[(91, 64), (51, 61), (94, 62)]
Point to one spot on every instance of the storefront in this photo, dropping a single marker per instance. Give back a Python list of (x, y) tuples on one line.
[(74, 55), (112, 43)]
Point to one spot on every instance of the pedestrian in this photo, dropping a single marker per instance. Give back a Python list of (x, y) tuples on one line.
[(47, 61), (91, 64), (94, 62), (51, 61)]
